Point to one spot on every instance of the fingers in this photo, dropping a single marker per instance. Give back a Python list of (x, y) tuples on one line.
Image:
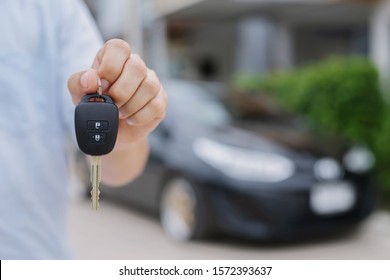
[(147, 90), (121, 70), (133, 74), (111, 59), (153, 110), (135, 89), (82, 83), (109, 64)]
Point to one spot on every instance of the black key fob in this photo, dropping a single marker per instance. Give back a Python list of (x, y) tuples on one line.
[(96, 124)]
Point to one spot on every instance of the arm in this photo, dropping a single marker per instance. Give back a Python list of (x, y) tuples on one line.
[(141, 100)]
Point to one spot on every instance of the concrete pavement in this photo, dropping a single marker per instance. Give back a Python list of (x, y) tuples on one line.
[(117, 232)]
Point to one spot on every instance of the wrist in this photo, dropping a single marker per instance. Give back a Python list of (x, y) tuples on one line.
[(124, 163), (121, 147)]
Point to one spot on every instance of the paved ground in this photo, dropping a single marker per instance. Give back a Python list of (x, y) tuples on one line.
[(116, 232)]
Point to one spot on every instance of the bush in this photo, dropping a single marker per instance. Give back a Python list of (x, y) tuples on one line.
[(382, 152), (340, 95)]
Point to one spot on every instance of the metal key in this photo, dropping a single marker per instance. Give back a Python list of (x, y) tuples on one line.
[(96, 168), (96, 124)]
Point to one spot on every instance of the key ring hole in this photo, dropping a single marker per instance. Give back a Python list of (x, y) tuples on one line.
[(96, 99), (90, 98)]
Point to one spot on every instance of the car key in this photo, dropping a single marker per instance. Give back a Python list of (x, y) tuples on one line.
[(96, 125)]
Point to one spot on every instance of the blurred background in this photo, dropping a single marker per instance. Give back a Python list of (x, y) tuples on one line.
[(276, 141)]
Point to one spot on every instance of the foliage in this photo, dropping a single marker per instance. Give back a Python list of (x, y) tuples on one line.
[(338, 94)]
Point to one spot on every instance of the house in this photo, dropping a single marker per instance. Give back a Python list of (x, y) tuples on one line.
[(214, 39)]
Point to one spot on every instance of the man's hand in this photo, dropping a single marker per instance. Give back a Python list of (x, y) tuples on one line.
[(135, 89), (141, 100)]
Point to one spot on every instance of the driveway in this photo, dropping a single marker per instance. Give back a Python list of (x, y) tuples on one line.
[(118, 232)]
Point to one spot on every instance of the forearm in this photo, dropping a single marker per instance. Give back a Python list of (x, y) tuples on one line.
[(124, 163)]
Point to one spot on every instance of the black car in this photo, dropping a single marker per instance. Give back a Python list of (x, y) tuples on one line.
[(264, 179)]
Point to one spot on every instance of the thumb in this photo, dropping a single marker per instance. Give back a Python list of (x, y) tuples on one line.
[(82, 83)]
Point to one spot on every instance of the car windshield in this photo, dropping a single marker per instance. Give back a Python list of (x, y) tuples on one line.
[(200, 103), (196, 103)]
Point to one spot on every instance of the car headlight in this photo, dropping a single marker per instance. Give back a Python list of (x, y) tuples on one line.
[(358, 160), (327, 169), (244, 164)]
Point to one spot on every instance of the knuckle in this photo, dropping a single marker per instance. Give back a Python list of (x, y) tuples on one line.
[(158, 108), (138, 65), (151, 84)]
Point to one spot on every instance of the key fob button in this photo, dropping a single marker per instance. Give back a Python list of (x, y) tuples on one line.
[(97, 125), (97, 138)]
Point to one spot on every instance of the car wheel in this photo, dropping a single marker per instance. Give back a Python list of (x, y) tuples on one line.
[(181, 210)]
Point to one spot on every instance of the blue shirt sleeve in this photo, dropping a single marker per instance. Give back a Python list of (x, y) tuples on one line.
[(79, 42)]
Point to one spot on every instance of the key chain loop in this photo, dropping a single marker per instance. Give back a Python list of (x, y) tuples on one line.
[(90, 97), (100, 88)]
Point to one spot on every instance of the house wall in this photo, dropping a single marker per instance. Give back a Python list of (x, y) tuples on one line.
[(312, 43), (380, 40), (233, 46), (204, 51)]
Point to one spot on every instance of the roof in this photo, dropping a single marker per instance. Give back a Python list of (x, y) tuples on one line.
[(295, 11)]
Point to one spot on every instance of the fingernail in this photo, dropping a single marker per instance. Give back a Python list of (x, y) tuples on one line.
[(84, 80), (130, 121), (122, 115)]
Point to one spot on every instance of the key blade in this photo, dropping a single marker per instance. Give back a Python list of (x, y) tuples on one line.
[(95, 180)]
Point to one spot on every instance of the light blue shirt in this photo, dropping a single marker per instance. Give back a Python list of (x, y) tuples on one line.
[(41, 43)]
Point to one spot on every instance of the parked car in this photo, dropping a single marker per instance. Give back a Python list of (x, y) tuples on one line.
[(263, 179)]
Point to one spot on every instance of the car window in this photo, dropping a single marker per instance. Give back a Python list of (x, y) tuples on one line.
[(197, 104)]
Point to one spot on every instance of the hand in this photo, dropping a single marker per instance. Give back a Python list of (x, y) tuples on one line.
[(135, 89)]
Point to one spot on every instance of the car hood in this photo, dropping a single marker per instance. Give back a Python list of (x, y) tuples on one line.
[(317, 144), (240, 137), (280, 139)]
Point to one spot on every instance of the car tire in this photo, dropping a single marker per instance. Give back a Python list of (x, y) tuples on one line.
[(182, 210)]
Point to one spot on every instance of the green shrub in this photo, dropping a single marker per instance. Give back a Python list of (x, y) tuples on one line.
[(340, 95), (382, 152)]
